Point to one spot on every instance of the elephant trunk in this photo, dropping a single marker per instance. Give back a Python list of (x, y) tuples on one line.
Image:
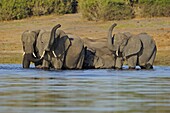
[(110, 38), (27, 58), (52, 37)]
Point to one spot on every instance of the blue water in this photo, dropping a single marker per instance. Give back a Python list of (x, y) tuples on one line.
[(84, 91)]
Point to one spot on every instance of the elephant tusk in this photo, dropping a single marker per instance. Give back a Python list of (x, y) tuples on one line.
[(34, 55), (117, 53), (59, 55), (54, 54), (23, 53), (42, 55)]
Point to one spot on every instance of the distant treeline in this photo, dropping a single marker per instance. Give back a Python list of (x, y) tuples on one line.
[(18, 9), (123, 9), (90, 9)]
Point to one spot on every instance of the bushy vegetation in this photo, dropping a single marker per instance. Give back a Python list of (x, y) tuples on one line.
[(154, 8), (90, 9), (105, 9), (18, 9), (123, 9)]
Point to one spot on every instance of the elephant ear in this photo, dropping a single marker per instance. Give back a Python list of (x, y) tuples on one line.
[(119, 39), (133, 46), (62, 43), (67, 43)]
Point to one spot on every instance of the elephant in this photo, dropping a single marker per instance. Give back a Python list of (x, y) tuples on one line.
[(29, 39), (91, 60), (97, 55), (137, 50), (60, 50)]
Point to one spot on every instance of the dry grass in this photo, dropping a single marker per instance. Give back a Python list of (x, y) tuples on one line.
[(10, 33)]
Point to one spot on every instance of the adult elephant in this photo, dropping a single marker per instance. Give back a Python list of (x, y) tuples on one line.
[(135, 49), (60, 50), (29, 39)]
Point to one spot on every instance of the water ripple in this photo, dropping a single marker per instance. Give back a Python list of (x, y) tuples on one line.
[(84, 91)]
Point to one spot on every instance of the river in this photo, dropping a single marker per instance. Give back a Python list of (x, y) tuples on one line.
[(84, 91)]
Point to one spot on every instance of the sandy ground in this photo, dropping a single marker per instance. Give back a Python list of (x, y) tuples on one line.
[(10, 33)]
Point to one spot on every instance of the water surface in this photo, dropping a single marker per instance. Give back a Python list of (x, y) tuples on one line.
[(84, 91)]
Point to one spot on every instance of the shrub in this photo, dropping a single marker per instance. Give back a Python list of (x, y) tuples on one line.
[(154, 8), (41, 7), (90, 9), (12, 9), (105, 10), (63, 7), (18, 9)]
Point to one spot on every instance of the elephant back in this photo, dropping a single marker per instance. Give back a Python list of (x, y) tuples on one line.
[(147, 40)]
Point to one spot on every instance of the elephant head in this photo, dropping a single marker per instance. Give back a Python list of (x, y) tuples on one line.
[(52, 47), (28, 39), (45, 40)]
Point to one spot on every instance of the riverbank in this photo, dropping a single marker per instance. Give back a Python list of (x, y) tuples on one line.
[(10, 33)]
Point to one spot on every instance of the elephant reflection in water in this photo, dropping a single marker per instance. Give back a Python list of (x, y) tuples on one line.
[(135, 49)]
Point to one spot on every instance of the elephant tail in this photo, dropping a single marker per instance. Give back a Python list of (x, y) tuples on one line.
[(52, 37)]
